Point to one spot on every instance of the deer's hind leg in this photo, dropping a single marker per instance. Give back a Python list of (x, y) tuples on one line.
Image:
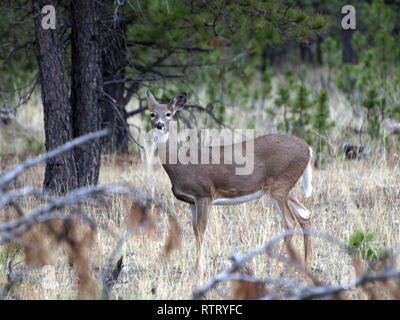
[(280, 200), (303, 216)]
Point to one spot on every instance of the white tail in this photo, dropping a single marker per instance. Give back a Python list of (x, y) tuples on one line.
[(307, 178)]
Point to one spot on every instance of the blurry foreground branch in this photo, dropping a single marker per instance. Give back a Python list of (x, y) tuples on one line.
[(250, 287), (62, 220)]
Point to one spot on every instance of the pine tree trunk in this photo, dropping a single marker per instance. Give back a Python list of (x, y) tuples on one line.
[(320, 59), (114, 116), (347, 49), (60, 173), (87, 86), (306, 54)]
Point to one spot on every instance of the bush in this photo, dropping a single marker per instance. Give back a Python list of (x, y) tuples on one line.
[(363, 242)]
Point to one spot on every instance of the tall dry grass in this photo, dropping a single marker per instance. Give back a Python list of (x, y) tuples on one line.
[(347, 195)]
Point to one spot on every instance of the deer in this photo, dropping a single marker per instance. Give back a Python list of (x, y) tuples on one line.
[(279, 163)]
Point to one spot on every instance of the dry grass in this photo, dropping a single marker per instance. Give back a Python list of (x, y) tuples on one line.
[(347, 195)]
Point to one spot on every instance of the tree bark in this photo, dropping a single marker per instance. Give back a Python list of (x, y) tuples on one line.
[(306, 54), (347, 48), (60, 173), (87, 86), (114, 116), (319, 41)]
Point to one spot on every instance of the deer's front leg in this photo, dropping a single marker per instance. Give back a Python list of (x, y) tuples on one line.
[(199, 222)]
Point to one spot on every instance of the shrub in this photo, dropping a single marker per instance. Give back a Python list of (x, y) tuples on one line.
[(363, 242)]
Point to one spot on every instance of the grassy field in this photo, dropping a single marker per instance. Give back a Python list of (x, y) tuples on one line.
[(347, 195)]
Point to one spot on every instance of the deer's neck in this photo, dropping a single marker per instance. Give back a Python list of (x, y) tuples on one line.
[(167, 154), (169, 150), (161, 139)]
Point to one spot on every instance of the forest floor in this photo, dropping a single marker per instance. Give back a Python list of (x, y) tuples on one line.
[(347, 195)]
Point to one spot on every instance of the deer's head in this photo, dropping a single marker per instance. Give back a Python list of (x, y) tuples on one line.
[(162, 114)]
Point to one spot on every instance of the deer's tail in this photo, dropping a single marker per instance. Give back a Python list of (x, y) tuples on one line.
[(307, 177)]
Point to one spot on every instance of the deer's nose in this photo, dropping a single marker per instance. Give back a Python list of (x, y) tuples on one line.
[(160, 125)]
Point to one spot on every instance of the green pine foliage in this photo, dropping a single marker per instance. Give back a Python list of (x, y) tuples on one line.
[(283, 101), (363, 243), (301, 114), (321, 119), (185, 45), (372, 103), (371, 83)]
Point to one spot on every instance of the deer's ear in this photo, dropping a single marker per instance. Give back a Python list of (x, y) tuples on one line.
[(151, 100), (178, 102)]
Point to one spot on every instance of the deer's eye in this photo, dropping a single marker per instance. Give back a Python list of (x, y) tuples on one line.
[(152, 114), (168, 114)]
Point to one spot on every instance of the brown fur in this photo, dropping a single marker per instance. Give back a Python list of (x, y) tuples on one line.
[(279, 162), (276, 156)]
